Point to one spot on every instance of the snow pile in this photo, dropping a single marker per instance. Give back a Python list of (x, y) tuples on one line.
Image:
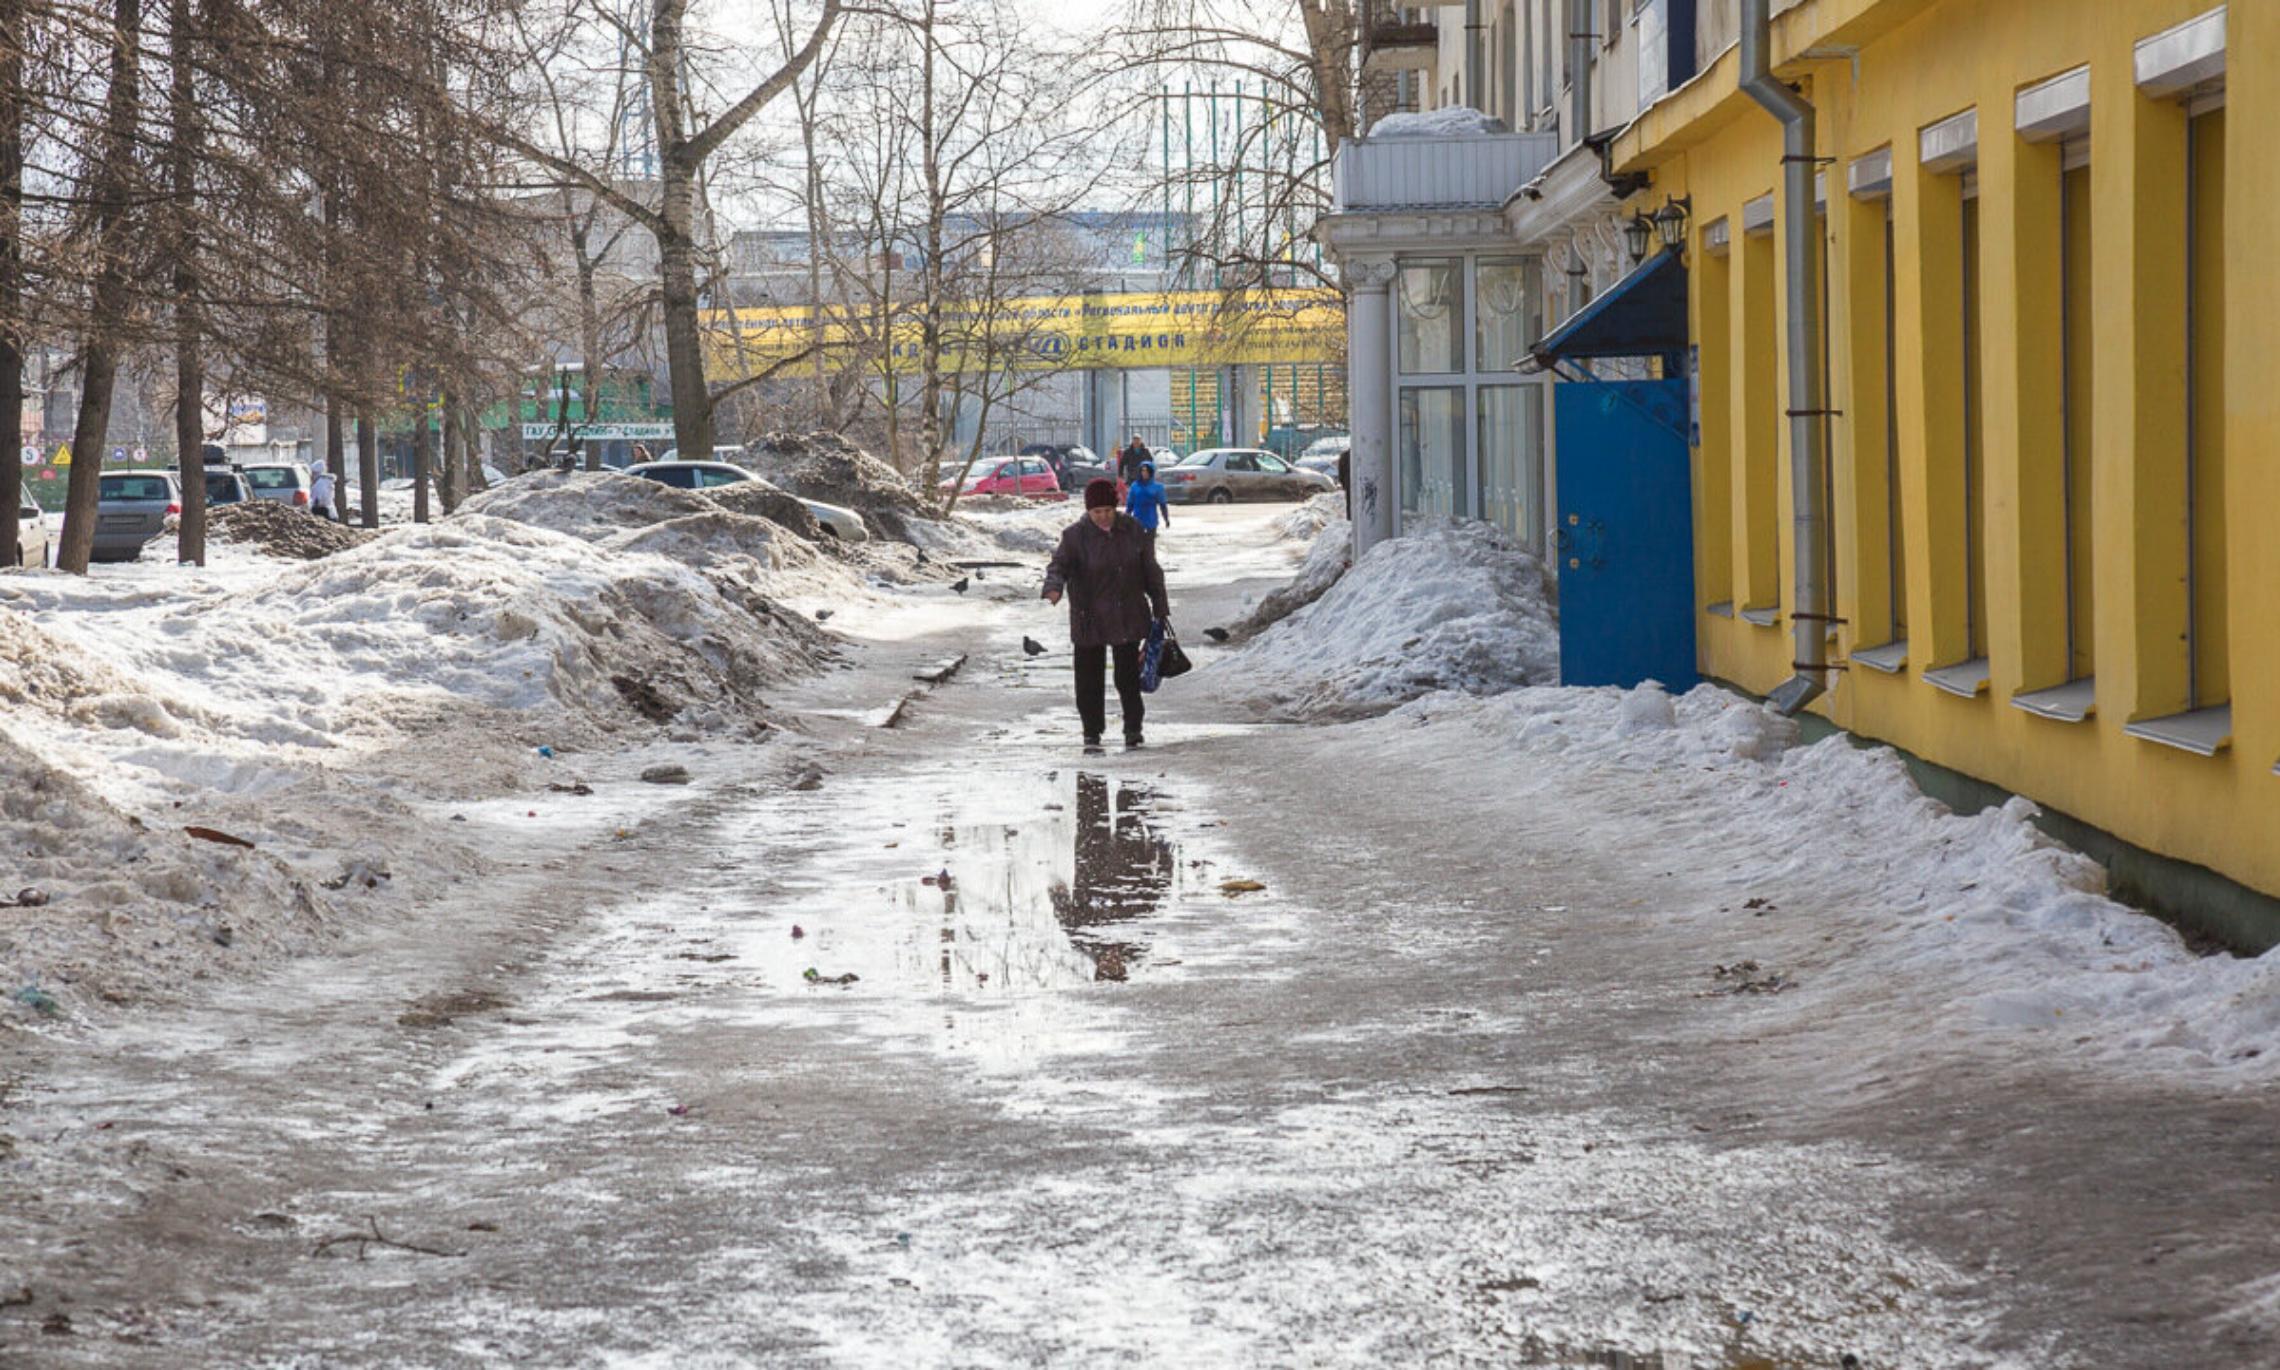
[(276, 530), (1310, 519), (1896, 906), (117, 905), (758, 499), (1456, 606), (476, 622), (828, 467), (1326, 560), (1452, 121), (590, 505)]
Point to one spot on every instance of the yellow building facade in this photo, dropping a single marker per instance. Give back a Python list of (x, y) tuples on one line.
[(2051, 236)]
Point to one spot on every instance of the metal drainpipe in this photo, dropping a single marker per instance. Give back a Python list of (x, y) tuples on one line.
[(1579, 67), (1808, 405), (1476, 59)]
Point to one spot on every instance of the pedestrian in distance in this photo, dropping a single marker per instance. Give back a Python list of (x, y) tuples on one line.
[(1146, 501), (1128, 461), (321, 490), (1106, 566)]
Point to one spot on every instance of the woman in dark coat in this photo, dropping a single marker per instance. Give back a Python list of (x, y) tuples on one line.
[(1107, 567)]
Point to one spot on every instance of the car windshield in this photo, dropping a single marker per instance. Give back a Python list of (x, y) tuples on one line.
[(222, 489), (272, 477), (136, 487), (680, 477), (1197, 459)]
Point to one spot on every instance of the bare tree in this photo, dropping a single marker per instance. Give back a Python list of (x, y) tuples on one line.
[(686, 142)]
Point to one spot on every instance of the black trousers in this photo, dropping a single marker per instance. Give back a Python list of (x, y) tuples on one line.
[(1092, 692)]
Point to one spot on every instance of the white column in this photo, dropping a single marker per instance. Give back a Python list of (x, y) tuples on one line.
[(1369, 398)]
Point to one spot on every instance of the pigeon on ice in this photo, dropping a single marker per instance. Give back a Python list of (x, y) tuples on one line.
[(1032, 647), (823, 615), (1216, 634), (961, 583)]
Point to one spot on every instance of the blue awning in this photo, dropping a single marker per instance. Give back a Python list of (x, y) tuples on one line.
[(1642, 315)]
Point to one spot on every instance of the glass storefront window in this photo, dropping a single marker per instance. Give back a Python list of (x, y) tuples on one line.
[(1432, 322), (1511, 458), (1501, 313), (1433, 480)]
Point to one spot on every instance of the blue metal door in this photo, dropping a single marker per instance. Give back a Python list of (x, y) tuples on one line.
[(1625, 539)]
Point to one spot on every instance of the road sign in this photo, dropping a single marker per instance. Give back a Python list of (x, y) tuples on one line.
[(30, 455), (62, 455)]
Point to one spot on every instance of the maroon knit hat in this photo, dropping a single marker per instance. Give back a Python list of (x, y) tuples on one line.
[(1100, 493)]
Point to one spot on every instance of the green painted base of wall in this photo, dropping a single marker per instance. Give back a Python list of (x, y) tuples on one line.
[(2214, 911)]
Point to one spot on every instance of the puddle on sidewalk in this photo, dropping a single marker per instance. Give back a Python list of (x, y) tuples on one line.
[(1043, 882), (1060, 883)]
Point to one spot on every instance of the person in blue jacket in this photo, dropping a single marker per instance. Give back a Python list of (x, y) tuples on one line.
[(1144, 499)]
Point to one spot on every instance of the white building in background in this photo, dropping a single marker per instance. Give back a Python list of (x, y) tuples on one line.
[(1472, 221)]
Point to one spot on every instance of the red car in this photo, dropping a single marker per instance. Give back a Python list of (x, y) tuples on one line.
[(1024, 476)]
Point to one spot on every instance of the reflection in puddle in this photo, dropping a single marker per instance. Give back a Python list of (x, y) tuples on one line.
[(1124, 867), (1039, 902)]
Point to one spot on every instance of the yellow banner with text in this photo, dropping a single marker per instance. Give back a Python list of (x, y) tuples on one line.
[(1039, 333)]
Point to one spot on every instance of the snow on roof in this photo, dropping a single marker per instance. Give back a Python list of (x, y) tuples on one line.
[(1450, 121)]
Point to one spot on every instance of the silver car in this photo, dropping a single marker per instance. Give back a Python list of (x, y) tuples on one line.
[(131, 509), (1223, 475), (32, 537), (282, 482), (842, 523)]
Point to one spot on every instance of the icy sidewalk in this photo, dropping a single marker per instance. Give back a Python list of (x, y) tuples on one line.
[(1864, 894)]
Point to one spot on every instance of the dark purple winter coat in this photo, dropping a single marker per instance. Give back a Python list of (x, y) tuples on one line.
[(1112, 580)]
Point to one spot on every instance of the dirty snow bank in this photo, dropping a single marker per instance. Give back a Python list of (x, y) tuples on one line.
[(276, 530), (1457, 606), (829, 467), (1327, 558), (121, 905), (1896, 909), (321, 710)]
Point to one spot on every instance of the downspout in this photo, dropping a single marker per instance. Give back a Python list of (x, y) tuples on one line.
[(1579, 68), (1808, 406), (1476, 59)]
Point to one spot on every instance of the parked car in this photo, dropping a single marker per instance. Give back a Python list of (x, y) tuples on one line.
[(223, 486), (33, 542), (283, 482), (131, 508), (1028, 477), (841, 522), (1067, 461), (1222, 475), (1324, 454)]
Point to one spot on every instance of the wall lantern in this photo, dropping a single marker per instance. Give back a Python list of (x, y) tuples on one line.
[(1638, 236), (1670, 223)]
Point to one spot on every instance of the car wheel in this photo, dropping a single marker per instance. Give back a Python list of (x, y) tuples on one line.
[(1220, 496)]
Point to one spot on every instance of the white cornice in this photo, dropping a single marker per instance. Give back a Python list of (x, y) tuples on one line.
[(1568, 192), (1349, 235)]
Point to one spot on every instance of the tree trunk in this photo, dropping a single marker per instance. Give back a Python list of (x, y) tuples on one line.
[(336, 452), (471, 443), (684, 341), (930, 327), (12, 37), (454, 468), (99, 367), (189, 358), (590, 346), (367, 469), (423, 454), (676, 239)]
